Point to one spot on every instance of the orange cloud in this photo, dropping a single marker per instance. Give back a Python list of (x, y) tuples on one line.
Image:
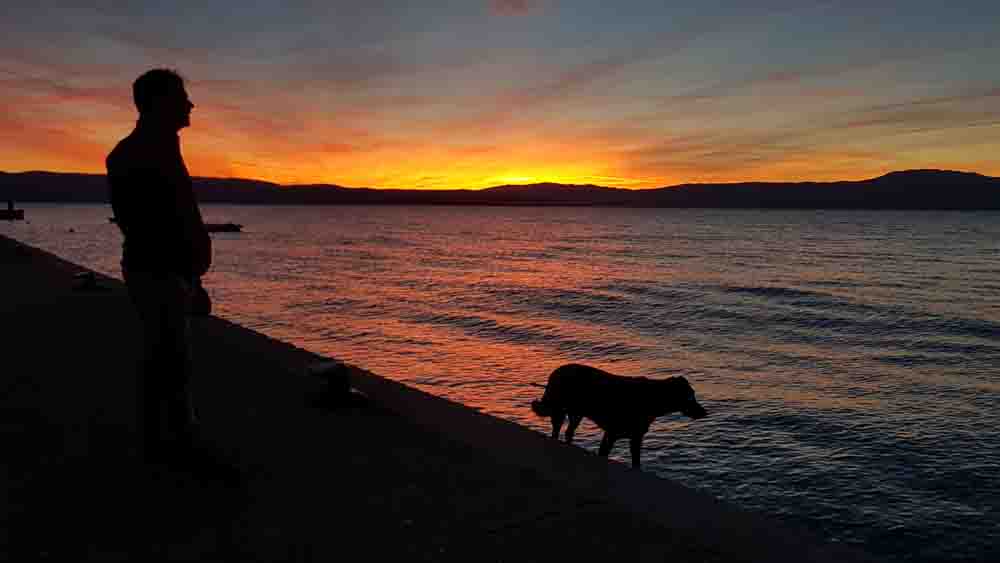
[(513, 7), (360, 129)]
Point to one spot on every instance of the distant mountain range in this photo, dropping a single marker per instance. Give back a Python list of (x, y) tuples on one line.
[(911, 189)]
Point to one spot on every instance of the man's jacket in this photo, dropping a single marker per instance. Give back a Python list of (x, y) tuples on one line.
[(155, 207)]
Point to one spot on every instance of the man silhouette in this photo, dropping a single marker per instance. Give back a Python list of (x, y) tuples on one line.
[(166, 250)]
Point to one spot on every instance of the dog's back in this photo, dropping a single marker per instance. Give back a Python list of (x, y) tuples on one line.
[(611, 401), (624, 407)]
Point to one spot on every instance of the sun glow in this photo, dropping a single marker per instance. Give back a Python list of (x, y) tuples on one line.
[(515, 179)]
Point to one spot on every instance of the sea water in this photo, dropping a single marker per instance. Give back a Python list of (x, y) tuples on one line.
[(850, 360)]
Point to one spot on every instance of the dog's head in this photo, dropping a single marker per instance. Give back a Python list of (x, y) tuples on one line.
[(686, 402)]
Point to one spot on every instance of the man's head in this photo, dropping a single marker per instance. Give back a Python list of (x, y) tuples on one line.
[(160, 97)]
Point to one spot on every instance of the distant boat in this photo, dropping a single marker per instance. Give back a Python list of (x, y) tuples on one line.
[(11, 214), (211, 227)]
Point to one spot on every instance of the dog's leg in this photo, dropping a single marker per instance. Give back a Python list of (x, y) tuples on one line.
[(557, 422), (606, 443), (635, 445), (574, 421)]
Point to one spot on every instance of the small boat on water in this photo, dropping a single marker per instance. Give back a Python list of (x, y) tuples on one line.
[(211, 227), (11, 214), (224, 227)]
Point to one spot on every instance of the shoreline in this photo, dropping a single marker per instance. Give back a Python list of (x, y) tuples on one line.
[(254, 386)]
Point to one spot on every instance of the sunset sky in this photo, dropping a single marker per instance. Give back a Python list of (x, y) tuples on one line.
[(473, 93)]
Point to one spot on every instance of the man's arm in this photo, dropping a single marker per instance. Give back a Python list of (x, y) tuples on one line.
[(195, 234), (139, 203)]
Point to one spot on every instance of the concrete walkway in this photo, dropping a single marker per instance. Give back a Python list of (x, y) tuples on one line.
[(404, 477)]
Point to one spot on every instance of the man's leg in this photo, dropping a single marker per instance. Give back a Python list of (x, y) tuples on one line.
[(163, 399), (149, 416), (180, 416)]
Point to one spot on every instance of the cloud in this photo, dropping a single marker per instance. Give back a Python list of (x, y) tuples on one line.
[(45, 146), (513, 7), (855, 143), (801, 76), (401, 93), (47, 91), (970, 95)]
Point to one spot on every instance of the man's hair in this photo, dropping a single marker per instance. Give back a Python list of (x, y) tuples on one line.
[(154, 84)]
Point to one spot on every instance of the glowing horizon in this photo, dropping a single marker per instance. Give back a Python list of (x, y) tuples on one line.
[(472, 95)]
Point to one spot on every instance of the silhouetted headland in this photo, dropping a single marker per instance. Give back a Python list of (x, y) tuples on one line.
[(911, 189)]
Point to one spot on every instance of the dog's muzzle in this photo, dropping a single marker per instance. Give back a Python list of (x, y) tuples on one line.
[(695, 411)]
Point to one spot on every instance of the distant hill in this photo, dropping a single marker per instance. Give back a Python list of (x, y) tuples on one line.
[(911, 189)]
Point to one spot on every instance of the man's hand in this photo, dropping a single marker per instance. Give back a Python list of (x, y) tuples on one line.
[(201, 254)]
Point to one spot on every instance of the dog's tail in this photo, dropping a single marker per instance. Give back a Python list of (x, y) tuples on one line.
[(541, 407)]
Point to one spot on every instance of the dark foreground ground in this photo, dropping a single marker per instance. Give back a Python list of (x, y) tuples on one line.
[(403, 476)]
